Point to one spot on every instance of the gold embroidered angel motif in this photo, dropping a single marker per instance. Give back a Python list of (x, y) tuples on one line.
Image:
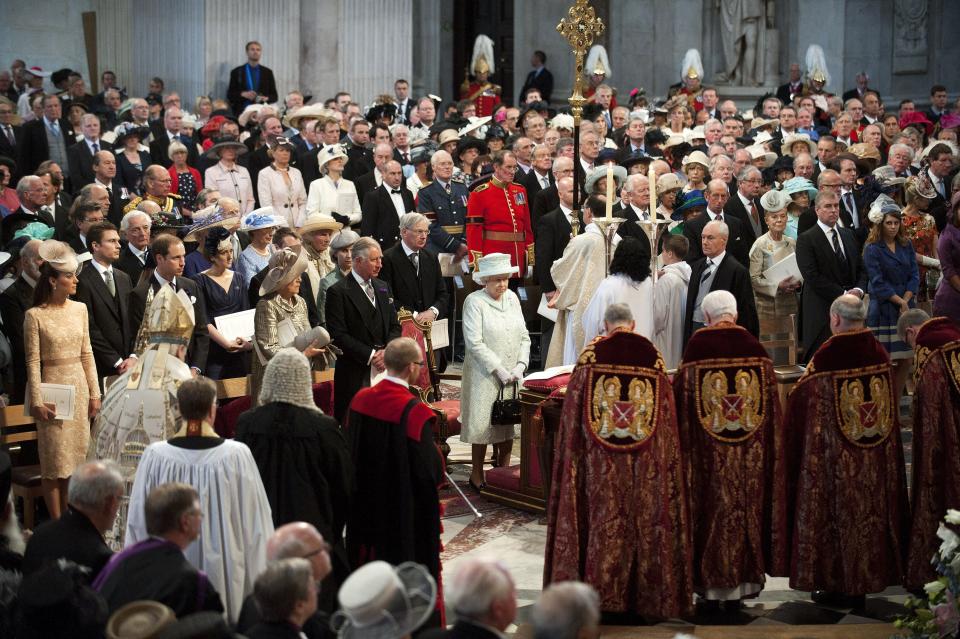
[(642, 401), (748, 388), (605, 395), (713, 390)]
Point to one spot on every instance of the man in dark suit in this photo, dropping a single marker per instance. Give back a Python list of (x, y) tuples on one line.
[(540, 176), (938, 173), (413, 273), (171, 131), (135, 229), (853, 209), (360, 158), (251, 83), (14, 302), (634, 207), (361, 320), (382, 208), (540, 78), (469, 583), (33, 196), (105, 176), (717, 196), (368, 182), (745, 205), (80, 155), (938, 103), (96, 492), (169, 254), (10, 136), (106, 292), (547, 199), (85, 215), (793, 86), (34, 145), (828, 257), (718, 270)]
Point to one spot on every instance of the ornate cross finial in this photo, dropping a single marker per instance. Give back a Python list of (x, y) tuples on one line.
[(579, 28)]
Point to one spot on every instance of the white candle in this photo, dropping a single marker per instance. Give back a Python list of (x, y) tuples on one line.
[(652, 177), (610, 182)]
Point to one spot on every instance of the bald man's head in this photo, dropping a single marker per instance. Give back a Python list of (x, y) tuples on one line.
[(300, 539)]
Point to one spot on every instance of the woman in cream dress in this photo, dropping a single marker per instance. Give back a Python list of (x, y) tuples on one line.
[(57, 345), (332, 195), (281, 186), (497, 353)]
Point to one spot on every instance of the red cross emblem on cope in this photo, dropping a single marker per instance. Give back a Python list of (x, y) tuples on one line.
[(623, 414), (868, 414), (732, 406)]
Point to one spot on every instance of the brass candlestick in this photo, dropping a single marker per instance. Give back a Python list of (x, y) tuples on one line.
[(579, 28)]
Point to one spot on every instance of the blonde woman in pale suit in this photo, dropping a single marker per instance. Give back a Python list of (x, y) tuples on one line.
[(281, 186), (332, 195)]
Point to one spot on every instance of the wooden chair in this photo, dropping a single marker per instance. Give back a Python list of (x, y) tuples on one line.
[(447, 410), (25, 479)]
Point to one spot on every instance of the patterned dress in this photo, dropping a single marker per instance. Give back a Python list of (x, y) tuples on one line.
[(266, 339), (921, 228), (57, 345)]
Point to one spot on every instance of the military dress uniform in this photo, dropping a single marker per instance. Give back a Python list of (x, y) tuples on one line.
[(169, 208), (485, 96), (498, 221), (447, 212)]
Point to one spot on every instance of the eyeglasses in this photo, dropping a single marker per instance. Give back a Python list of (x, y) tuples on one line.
[(324, 547), (418, 231)]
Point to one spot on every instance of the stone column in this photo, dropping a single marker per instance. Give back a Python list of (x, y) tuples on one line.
[(377, 38), (319, 48)]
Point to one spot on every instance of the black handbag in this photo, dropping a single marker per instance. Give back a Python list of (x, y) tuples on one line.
[(506, 412)]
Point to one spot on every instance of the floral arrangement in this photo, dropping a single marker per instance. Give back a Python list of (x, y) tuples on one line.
[(938, 616)]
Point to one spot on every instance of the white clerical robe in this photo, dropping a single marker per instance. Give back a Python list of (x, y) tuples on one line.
[(669, 304), (620, 289), (577, 274), (232, 546)]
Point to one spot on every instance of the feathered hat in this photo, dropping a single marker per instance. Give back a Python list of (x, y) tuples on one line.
[(597, 61), (692, 67), (817, 64), (482, 60)]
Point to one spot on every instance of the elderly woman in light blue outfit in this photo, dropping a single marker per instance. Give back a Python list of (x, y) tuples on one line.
[(260, 225), (803, 193), (497, 353)]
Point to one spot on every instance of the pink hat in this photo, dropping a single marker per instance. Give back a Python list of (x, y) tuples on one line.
[(916, 117), (37, 71)]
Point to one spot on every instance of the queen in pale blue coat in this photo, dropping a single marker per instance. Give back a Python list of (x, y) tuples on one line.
[(497, 354)]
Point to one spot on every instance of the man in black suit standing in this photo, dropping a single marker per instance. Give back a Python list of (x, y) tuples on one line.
[(105, 176), (383, 208), (251, 83), (14, 302), (85, 215), (10, 136), (46, 138), (172, 119), (361, 321), (828, 257), (80, 155), (540, 78), (551, 236), (717, 270), (169, 254), (540, 176), (793, 86), (547, 199), (853, 210), (745, 205), (938, 103), (413, 273), (368, 182), (135, 229), (938, 172), (359, 157), (717, 196), (106, 292)]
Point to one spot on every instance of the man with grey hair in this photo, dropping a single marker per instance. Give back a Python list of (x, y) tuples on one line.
[(96, 491), (567, 610), (286, 594), (900, 159), (717, 196), (483, 596), (862, 438), (523, 151), (547, 199), (635, 208), (803, 166), (135, 229), (80, 156), (413, 272), (14, 302), (721, 168), (745, 206), (32, 193), (719, 306), (540, 175), (715, 271), (618, 316), (444, 202)]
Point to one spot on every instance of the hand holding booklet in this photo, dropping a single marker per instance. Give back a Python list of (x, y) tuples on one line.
[(787, 267), (61, 398)]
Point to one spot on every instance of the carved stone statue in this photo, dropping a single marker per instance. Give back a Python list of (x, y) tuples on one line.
[(743, 26)]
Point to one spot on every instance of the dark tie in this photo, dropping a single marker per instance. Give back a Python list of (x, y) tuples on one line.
[(415, 258), (96, 148), (446, 187), (848, 200), (839, 251), (707, 271), (10, 136), (406, 157), (719, 218), (394, 191), (368, 289)]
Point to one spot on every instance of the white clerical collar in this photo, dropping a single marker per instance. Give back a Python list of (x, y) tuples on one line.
[(396, 380)]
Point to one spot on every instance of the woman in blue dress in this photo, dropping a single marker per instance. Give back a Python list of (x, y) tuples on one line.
[(260, 225), (891, 264), (224, 292)]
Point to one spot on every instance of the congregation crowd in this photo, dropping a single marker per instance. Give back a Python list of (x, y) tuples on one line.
[(152, 248)]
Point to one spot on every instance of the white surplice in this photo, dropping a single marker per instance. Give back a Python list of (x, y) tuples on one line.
[(237, 521), (620, 289)]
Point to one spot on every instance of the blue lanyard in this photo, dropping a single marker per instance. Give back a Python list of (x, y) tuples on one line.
[(250, 85)]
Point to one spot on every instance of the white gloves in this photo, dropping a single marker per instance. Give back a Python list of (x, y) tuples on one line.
[(929, 261), (517, 372), (503, 375)]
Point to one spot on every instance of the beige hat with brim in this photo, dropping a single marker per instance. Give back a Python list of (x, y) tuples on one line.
[(214, 151), (448, 135), (244, 117), (758, 152), (668, 182), (673, 140), (309, 112), (798, 137), (318, 222), (697, 157), (284, 267), (59, 256), (139, 620)]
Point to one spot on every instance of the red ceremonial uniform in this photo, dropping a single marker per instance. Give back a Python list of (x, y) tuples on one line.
[(485, 96), (498, 221)]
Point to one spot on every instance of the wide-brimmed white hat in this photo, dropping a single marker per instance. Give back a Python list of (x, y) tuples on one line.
[(309, 112), (758, 152), (331, 152), (562, 121), (798, 137), (263, 218), (493, 264), (379, 601)]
